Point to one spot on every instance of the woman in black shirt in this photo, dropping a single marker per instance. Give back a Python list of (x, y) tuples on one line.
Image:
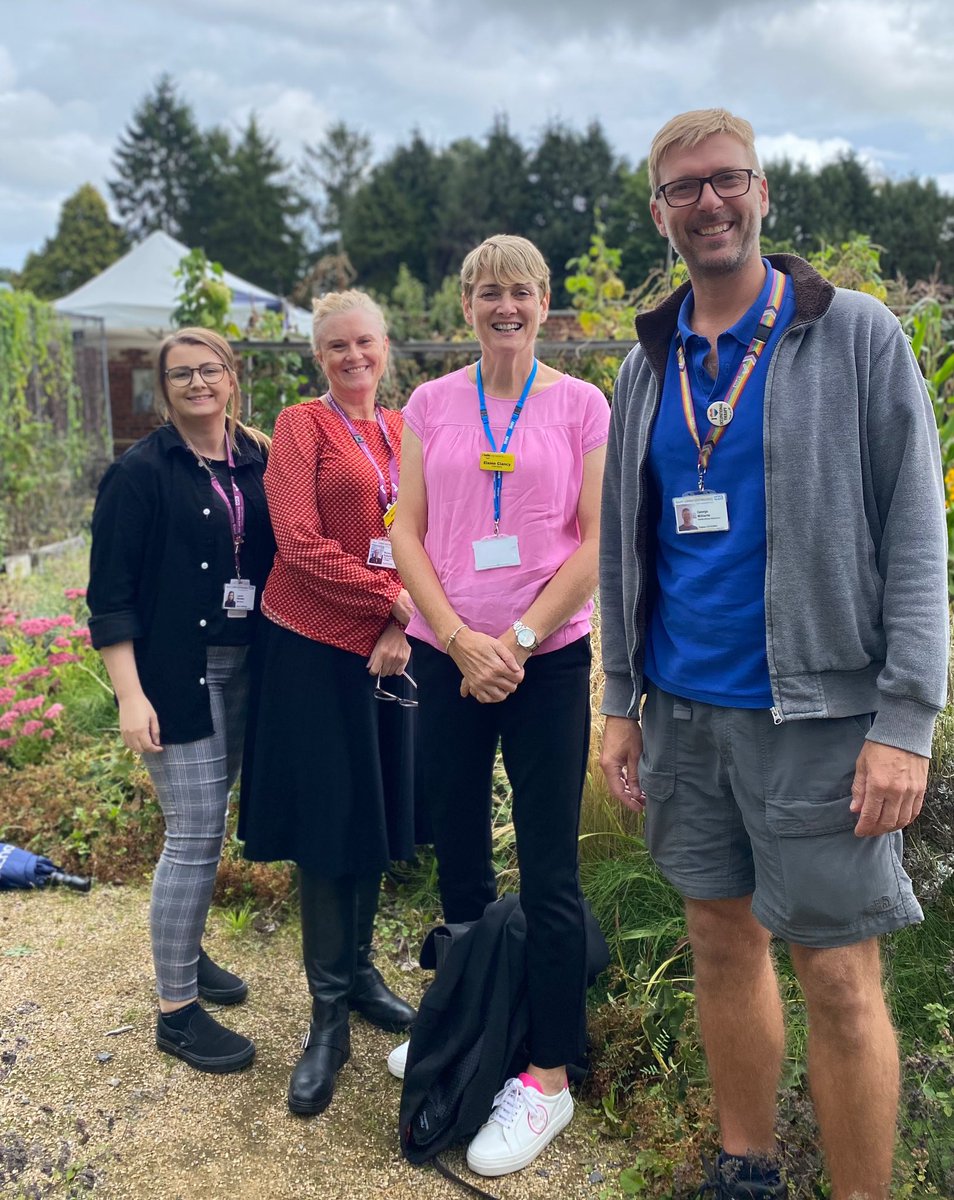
[(181, 526)]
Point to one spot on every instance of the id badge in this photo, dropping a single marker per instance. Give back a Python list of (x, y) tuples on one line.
[(379, 553), (491, 552), (496, 462), (238, 598), (389, 514), (701, 512)]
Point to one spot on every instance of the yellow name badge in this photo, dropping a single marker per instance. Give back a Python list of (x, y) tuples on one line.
[(496, 462), (389, 514)]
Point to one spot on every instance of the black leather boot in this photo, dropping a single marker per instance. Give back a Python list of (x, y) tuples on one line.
[(370, 996), (325, 1050), (328, 911)]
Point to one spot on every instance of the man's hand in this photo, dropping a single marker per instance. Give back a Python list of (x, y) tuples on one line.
[(888, 789), (619, 758)]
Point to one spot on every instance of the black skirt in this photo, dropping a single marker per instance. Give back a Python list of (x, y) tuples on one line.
[(328, 773)]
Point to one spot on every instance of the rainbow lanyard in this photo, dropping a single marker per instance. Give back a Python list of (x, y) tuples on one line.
[(742, 375)]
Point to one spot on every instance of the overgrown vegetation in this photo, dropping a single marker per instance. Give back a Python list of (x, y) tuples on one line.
[(45, 454)]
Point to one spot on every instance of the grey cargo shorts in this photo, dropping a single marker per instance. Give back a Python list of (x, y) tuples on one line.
[(738, 806)]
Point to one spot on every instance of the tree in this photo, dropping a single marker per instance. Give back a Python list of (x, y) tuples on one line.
[(486, 190), (392, 219), (336, 166), (571, 175), (86, 242), (156, 162), (254, 232)]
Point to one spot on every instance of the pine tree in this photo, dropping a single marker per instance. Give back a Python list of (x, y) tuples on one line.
[(335, 167), (86, 242), (255, 233), (157, 161)]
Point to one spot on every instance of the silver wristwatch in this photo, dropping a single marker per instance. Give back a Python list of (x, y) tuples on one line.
[(526, 638)]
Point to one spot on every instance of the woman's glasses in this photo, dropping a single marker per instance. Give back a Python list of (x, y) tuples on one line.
[(381, 694), (181, 377)]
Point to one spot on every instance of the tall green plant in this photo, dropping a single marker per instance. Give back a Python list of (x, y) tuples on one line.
[(933, 345), (204, 298), (43, 448)]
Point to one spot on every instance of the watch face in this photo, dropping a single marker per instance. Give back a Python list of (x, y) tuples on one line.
[(527, 639)]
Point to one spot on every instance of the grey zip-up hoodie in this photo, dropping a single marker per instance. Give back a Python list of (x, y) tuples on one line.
[(856, 616)]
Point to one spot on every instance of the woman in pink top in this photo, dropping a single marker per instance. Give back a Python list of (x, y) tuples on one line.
[(496, 541)]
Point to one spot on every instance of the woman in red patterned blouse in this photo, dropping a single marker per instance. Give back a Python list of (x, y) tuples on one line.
[(328, 775)]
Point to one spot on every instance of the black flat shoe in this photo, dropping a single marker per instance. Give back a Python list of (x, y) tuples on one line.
[(217, 985), (204, 1044)]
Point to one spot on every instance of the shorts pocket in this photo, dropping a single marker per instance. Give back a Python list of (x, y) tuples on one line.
[(658, 785), (788, 816)]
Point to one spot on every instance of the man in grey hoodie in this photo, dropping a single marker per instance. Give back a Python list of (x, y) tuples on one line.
[(791, 652)]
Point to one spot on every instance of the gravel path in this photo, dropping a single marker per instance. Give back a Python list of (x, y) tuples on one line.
[(143, 1126)]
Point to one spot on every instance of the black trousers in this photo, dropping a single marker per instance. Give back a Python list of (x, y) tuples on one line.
[(543, 730)]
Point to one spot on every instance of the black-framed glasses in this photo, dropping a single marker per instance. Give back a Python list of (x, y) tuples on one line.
[(726, 185), (181, 377), (381, 694)]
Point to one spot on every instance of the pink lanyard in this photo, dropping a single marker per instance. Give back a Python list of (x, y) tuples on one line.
[(362, 445), (236, 513)]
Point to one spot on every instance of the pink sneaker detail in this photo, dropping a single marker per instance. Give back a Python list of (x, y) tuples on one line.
[(529, 1081)]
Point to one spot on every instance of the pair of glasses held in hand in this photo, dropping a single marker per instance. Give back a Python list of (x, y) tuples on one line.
[(381, 694)]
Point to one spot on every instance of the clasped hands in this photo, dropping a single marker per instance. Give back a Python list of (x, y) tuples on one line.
[(492, 667)]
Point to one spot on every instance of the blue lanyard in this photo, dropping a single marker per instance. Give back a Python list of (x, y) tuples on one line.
[(515, 417)]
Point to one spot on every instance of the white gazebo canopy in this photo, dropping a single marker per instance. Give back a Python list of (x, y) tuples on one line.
[(135, 296)]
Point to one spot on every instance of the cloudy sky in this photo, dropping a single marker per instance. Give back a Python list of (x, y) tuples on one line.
[(815, 77)]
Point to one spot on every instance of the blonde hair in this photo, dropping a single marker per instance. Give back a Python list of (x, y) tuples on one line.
[(194, 335), (691, 128), (506, 259), (331, 304)]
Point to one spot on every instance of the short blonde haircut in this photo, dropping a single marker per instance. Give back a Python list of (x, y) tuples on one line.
[(332, 304), (691, 128), (506, 259)]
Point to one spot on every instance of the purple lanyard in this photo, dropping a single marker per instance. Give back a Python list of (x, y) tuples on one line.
[(362, 445), (236, 514)]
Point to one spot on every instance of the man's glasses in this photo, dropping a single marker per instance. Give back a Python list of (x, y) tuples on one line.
[(181, 377), (726, 185), (381, 694)]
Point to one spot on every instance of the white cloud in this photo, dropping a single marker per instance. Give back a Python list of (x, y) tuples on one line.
[(810, 152)]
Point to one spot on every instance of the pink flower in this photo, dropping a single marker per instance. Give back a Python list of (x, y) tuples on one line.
[(35, 626), (47, 733), (81, 632), (64, 620), (7, 660), (38, 673), (9, 618), (57, 660), (31, 727), (64, 643), (52, 712), (74, 593), (8, 719), (33, 703), (7, 695), (6, 743)]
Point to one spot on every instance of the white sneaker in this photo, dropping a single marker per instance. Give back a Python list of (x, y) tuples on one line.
[(522, 1123), (397, 1060)]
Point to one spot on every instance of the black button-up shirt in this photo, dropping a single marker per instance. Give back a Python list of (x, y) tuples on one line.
[(161, 556)]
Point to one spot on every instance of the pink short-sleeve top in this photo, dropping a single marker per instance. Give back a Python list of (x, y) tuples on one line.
[(539, 499)]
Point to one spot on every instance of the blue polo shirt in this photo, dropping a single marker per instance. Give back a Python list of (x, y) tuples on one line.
[(706, 632)]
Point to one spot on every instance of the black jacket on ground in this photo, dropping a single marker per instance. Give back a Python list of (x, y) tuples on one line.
[(471, 1030), (161, 556)]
